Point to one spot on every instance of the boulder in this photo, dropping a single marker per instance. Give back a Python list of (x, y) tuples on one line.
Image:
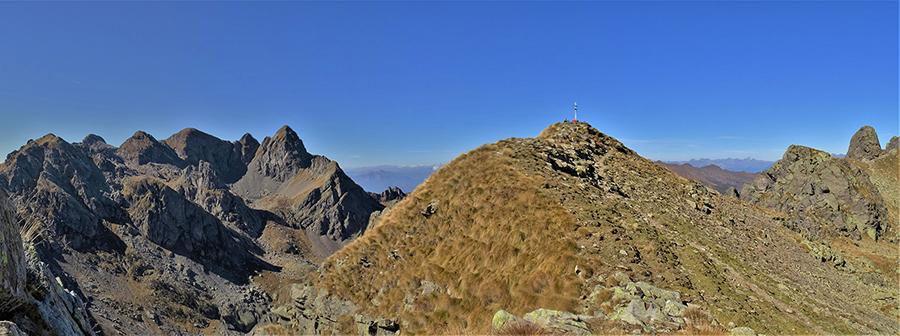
[(502, 319), (431, 209), (741, 331), (559, 322)]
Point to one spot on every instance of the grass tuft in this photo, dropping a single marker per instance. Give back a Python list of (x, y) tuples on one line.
[(523, 327)]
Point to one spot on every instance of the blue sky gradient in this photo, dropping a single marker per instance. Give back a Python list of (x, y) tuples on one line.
[(368, 83)]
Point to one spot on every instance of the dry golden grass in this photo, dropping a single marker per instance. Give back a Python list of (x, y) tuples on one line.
[(494, 243), (699, 322), (524, 328)]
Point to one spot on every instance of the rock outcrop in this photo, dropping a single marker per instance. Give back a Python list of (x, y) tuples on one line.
[(894, 143), (864, 145), (632, 307), (12, 260), (823, 195), (388, 195), (173, 222)]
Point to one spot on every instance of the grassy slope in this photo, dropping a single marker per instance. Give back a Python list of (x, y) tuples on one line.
[(480, 247), (511, 226)]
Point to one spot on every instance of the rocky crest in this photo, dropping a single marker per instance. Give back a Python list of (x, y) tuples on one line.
[(389, 194), (864, 145), (894, 143), (822, 195)]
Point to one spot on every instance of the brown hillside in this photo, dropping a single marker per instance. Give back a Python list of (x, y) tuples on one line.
[(535, 223), (711, 176)]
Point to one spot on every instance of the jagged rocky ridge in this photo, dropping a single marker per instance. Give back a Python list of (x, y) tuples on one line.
[(525, 224), (167, 236)]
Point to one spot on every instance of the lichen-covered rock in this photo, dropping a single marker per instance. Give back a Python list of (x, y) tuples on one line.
[(559, 322), (822, 194), (742, 331), (503, 318)]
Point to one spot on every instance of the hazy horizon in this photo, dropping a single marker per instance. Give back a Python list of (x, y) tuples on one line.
[(406, 83)]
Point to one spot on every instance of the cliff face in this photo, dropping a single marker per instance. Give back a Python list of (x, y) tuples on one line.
[(167, 218), (29, 292)]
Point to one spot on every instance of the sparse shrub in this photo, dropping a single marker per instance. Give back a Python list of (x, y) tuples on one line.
[(699, 322), (603, 326), (611, 282), (523, 327)]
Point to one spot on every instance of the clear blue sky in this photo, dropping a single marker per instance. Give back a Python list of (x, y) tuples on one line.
[(368, 83)]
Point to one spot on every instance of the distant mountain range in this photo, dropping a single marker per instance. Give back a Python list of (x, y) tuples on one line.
[(711, 176), (749, 165), (378, 178)]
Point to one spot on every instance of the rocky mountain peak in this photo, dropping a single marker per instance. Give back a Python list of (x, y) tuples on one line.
[(50, 138), (864, 144), (279, 156), (143, 148), (289, 139), (577, 133), (194, 146), (246, 148), (92, 139)]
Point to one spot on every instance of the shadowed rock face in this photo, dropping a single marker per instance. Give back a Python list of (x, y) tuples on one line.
[(309, 191), (143, 148), (227, 158), (864, 145)]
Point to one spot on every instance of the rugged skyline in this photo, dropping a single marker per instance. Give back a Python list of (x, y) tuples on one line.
[(420, 83)]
